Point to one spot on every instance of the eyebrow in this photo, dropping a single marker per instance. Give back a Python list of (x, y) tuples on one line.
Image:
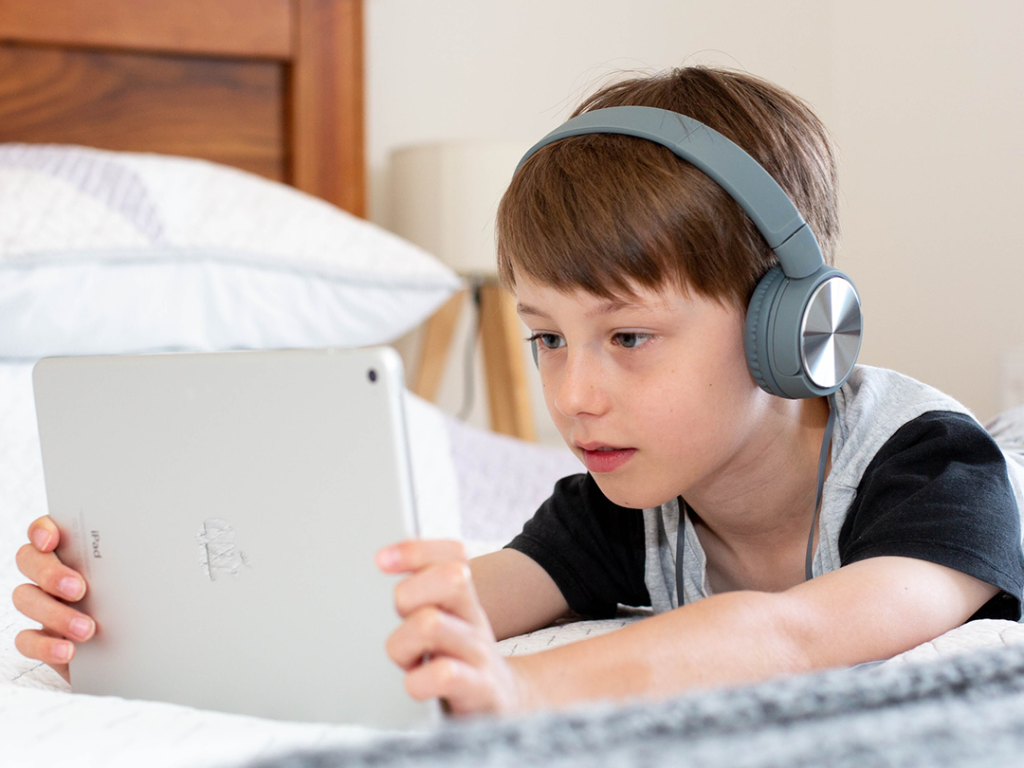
[(526, 309), (607, 308)]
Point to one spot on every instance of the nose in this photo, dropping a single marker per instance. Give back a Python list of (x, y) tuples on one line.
[(579, 388)]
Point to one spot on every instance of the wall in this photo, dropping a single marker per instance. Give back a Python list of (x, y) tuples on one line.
[(929, 100), (924, 99)]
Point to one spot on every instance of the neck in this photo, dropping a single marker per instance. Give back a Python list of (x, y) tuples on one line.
[(765, 495)]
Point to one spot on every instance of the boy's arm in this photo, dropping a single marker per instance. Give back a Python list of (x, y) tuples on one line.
[(869, 610), (517, 594), (872, 609)]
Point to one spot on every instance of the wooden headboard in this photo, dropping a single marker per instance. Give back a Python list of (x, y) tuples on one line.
[(269, 86)]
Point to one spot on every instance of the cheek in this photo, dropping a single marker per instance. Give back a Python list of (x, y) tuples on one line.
[(547, 388), (716, 376), (712, 398), (724, 364)]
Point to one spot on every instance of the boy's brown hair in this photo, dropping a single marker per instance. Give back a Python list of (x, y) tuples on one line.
[(605, 212)]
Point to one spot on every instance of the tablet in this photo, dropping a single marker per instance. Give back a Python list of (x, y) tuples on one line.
[(225, 510)]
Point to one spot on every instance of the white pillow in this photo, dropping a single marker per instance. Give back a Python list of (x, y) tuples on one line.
[(108, 252)]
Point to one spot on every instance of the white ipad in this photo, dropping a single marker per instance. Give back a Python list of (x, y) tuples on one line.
[(225, 510)]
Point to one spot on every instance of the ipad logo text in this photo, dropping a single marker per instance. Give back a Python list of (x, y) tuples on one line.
[(95, 543)]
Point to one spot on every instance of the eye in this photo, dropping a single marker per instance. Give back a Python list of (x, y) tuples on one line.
[(548, 340), (631, 339)]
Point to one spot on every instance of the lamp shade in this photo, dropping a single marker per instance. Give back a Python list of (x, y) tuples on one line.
[(444, 198)]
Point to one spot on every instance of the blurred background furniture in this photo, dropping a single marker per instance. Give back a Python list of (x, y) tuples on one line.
[(444, 198)]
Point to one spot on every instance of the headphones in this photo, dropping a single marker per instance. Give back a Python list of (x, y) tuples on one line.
[(803, 323)]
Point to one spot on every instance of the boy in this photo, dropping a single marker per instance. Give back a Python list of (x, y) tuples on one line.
[(633, 270)]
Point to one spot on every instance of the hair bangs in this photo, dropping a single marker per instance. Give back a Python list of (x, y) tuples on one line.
[(609, 214), (570, 220)]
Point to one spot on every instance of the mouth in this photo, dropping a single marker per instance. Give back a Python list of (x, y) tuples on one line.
[(601, 458), (598, 447)]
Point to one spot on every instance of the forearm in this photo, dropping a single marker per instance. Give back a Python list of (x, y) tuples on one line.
[(517, 594), (869, 610), (730, 638)]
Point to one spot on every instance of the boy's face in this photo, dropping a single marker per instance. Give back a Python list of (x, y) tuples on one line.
[(651, 392)]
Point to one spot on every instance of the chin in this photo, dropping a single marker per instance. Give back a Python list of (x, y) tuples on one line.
[(632, 495)]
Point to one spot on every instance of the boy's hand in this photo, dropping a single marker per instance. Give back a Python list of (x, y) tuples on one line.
[(445, 643), (46, 600)]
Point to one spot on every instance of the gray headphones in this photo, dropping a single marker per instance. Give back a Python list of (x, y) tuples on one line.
[(803, 326)]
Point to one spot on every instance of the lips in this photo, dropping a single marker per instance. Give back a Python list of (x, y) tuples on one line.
[(597, 447), (602, 458)]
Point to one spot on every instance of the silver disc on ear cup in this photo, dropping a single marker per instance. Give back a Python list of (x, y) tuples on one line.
[(830, 332)]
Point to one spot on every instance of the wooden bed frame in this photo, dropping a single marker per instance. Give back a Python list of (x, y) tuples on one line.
[(269, 86)]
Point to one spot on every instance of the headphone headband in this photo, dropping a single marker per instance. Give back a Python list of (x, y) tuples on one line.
[(727, 164)]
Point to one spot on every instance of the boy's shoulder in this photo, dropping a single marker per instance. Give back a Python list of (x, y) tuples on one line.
[(879, 392), (872, 406)]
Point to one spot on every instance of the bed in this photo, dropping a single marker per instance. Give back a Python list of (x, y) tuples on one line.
[(190, 176)]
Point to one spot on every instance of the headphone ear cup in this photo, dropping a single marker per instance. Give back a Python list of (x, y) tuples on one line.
[(802, 336), (756, 330)]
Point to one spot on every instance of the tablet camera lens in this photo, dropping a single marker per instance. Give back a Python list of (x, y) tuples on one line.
[(371, 375)]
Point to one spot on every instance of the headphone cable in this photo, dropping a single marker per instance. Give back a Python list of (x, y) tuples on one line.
[(826, 442)]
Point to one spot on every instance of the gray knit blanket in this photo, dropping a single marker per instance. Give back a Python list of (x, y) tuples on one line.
[(966, 710)]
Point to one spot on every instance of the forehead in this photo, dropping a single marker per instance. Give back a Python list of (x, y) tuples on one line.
[(537, 299)]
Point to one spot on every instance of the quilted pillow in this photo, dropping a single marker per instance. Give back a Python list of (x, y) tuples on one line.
[(107, 252)]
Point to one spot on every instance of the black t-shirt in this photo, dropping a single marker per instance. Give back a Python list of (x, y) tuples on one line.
[(938, 490)]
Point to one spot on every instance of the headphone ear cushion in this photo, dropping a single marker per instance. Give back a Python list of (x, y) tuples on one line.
[(755, 333)]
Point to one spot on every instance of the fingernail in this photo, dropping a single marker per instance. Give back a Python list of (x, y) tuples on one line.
[(388, 558), (62, 651), (71, 587), (41, 538), (80, 627)]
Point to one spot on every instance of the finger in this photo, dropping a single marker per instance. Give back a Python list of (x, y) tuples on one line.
[(44, 534), (46, 570), (447, 585), (464, 688), (434, 632), (42, 646), (55, 616), (415, 554)]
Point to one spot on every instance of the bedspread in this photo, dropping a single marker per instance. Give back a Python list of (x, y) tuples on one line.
[(965, 711)]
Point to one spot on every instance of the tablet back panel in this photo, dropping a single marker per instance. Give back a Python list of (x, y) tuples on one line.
[(225, 510)]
